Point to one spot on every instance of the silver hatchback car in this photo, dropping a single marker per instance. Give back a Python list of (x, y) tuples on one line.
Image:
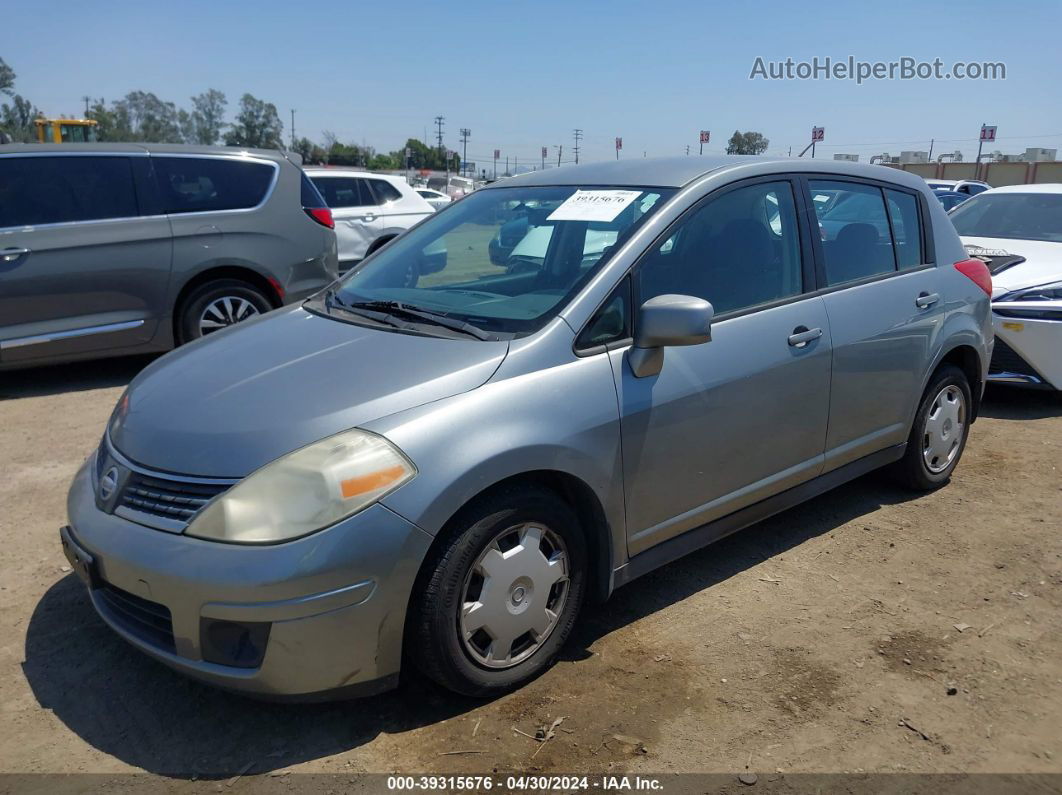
[(441, 458)]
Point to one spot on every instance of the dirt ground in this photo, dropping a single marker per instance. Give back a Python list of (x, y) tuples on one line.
[(825, 639)]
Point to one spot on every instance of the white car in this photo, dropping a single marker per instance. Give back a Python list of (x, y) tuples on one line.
[(1018, 230), (971, 187), (368, 209), (433, 197)]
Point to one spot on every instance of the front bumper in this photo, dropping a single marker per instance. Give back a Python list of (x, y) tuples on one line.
[(329, 609), (1030, 353)]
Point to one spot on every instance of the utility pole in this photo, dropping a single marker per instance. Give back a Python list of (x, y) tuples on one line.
[(578, 133), (543, 158), (931, 142), (687, 150), (86, 98), (293, 128), (465, 132), (507, 165), (439, 124), (559, 150)]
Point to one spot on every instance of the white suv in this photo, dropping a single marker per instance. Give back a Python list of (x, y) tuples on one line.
[(368, 209)]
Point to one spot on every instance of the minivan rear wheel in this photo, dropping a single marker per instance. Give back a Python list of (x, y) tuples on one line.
[(216, 305), (500, 597), (938, 436)]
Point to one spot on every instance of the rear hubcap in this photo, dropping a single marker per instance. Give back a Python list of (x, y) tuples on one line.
[(225, 311), (943, 431), (514, 595)]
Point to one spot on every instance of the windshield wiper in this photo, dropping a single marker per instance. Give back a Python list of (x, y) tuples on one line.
[(399, 308)]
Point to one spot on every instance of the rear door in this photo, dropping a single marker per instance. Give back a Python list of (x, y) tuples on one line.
[(355, 212), (885, 301), (81, 269)]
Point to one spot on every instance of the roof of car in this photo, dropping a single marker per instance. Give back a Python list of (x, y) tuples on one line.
[(1046, 187), (138, 148), (675, 172), (339, 171)]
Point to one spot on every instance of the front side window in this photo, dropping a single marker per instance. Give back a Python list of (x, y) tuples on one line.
[(65, 189), (344, 191), (195, 185), (736, 251), (385, 191), (505, 260), (1021, 216), (856, 239)]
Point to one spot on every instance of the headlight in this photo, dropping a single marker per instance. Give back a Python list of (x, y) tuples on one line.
[(305, 491), (1045, 292)]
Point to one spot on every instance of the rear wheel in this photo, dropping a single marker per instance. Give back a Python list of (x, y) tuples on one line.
[(216, 305), (939, 433), (502, 594)]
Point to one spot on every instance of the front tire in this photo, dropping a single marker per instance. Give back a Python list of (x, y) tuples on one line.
[(500, 597), (216, 305), (938, 436)]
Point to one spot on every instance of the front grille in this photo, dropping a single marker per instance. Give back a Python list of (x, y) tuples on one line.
[(177, 500), (145, 620), (1007, 360)]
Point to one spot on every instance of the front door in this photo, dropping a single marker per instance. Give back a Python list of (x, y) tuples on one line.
[(732, 421)]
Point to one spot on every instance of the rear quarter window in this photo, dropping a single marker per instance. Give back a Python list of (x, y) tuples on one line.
[(194, 185), (65, 189), (385, 191)]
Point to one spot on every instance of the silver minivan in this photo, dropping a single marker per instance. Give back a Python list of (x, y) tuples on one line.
[(108, 249), (443, 468)]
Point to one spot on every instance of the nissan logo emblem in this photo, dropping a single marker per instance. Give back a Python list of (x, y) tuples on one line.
[(108, 483)]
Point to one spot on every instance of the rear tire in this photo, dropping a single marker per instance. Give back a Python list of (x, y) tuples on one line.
[(938, 435), (499, 561), (217, 304)]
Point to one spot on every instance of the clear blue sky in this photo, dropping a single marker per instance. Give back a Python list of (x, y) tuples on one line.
[(523, 75)]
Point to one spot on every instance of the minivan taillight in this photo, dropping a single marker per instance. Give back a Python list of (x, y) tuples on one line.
[(321, 215), (976, 271)]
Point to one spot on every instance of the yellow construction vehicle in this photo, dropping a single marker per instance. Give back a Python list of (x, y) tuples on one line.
[(65, 131)]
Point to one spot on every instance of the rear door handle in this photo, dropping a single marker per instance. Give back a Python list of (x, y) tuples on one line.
[(368, 217), (12, 254), (926, 300), (802, 335)]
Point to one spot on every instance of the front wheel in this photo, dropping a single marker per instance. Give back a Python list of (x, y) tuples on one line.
[(939, 433), (502, 594)]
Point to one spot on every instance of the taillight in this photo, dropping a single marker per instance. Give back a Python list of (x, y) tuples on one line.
[(976, 271), (321, 215)]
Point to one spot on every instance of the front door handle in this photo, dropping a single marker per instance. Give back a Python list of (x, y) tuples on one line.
[(802, 335), (926, 300), (12, 254), (368, 217)]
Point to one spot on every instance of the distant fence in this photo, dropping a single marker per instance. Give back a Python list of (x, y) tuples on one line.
[(995, 174)]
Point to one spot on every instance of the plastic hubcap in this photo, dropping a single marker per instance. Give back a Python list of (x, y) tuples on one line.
[(942, 434)]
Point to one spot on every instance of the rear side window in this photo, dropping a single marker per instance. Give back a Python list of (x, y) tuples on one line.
[(854, 226), (385, 191), (344, 191), (64, 189), (195, 185), (906, 228), (311, 197)]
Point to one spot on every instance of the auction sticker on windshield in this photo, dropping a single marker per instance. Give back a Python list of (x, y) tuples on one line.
[(594, 205)]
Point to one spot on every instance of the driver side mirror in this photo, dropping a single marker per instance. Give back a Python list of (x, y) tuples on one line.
[(667, 320)]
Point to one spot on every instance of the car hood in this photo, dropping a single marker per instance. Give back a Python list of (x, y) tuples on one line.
[(1043, 262), (236, 400)]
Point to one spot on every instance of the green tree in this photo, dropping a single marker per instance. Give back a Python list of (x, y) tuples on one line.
[(7, 79), (257, 125), (142, 116), (747, 143), (205, 122), (112, 123), (16, 119), (311, 152)]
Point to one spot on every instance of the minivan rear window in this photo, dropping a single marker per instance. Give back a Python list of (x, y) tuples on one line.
[(195, 185), (65, 189)]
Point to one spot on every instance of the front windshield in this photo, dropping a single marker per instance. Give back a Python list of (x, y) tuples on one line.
[(1022, 216), (505, 260)]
